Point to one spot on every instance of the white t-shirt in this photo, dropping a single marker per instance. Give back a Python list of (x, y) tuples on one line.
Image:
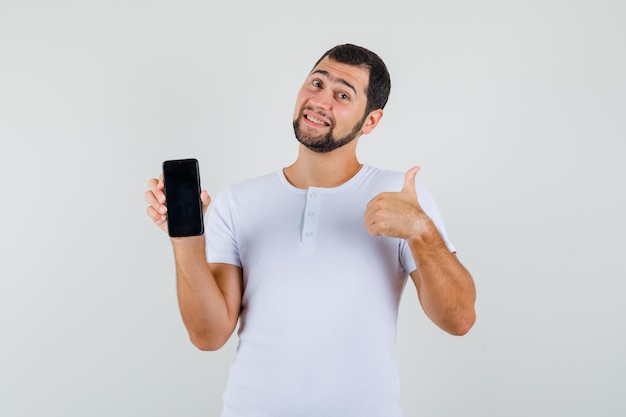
[(317, 330)]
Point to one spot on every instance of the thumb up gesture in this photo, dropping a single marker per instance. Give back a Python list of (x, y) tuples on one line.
[(397, 214)]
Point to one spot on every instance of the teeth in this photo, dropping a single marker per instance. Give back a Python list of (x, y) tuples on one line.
[(316, 121)]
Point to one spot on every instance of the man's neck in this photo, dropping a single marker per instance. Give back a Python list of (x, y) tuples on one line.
[(325, 170)]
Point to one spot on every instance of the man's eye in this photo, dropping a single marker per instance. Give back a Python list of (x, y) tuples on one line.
[(343, 96), (317, 83)]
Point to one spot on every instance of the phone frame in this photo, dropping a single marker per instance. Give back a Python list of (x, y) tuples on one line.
[(177, 225)]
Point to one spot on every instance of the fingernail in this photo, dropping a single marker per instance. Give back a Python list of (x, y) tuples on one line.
[(162, 210)]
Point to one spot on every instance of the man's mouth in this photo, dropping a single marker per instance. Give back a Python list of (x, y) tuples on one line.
[(318, 121)]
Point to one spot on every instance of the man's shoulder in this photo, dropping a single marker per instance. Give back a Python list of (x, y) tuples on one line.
[(389, 179), (251, 187), (384, 177), (266, 179)]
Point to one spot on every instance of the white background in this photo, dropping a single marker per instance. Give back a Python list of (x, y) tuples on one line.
[(514, 109)]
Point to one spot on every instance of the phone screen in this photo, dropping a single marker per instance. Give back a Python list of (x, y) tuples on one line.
[(182, 194)]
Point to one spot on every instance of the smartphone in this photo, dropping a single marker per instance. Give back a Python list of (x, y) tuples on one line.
[(182, 195)]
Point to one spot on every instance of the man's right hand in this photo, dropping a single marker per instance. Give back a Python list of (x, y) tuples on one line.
[(157, 208)]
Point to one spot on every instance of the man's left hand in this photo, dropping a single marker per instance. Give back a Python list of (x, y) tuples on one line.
[(397, 214)]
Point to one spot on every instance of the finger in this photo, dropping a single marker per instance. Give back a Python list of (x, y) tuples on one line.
[(206, 200), (371, 208), (156, 217), (156, 185), (151, 199), (409, 181), (373, 229), (374, 202), (370, 220)]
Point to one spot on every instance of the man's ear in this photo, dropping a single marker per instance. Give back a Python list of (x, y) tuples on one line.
[(371, 121)]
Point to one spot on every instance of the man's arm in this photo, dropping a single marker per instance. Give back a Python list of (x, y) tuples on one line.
[(445, 288), (209, 295)]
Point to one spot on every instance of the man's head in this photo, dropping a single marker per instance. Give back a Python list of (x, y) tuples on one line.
[(341, 99), (379, 84)]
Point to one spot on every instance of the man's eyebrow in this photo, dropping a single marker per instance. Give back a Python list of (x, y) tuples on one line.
[(339, 80)]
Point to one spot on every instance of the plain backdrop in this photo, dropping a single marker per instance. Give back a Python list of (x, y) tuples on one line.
[(514, 109)]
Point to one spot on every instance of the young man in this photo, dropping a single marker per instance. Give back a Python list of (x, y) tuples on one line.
[(313, 259)]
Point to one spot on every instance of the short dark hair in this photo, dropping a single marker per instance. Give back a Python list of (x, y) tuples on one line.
[(379, 84)]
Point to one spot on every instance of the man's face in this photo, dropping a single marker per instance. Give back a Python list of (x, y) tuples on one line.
[(330, 109)]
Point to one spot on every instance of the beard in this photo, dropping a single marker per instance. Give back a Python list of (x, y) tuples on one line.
[(325, 143)]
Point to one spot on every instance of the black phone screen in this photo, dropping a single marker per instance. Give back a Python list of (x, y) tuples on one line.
[(182, 194)]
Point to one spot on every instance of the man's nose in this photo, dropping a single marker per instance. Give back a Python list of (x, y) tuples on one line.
[(322, 99)]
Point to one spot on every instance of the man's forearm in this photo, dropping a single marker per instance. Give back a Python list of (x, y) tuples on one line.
[(202, 304), (445, 288)]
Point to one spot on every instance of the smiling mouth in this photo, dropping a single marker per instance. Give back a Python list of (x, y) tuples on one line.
[(320, 122)]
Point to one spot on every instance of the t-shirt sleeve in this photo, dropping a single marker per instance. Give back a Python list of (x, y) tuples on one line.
[(428, 204), (220, 233)]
